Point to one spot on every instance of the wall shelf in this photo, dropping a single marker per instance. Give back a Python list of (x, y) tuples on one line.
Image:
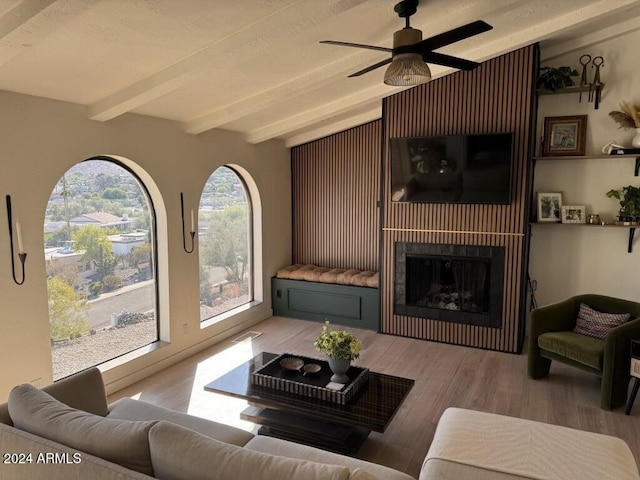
[(632, 229), (596, 157), (577, 89), (572, 89)]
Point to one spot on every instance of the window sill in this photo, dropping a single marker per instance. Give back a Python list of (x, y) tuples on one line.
[(228, 314), (132, 355)]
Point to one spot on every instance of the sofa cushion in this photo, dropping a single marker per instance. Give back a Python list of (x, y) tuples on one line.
[(360, 474), (276, 446), (586, 350), (178, 453), (597, 324), (118, 441), (130, 409), (67, 464)]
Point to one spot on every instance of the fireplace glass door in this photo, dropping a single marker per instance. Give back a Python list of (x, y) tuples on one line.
[(457, 283)]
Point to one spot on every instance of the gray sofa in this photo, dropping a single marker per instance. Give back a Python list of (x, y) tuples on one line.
[(67, 431)]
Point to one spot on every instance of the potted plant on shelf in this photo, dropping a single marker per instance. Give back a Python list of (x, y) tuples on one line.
[(341, 347), (629, 198), (556, 78)]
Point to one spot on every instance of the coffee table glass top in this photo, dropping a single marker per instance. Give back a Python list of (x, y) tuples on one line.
[(372, 407)]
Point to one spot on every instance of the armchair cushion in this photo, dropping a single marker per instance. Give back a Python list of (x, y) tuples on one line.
[(581, 348), (597, 324)]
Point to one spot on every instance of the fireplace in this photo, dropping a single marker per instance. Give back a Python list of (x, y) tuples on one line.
[(453, 283)]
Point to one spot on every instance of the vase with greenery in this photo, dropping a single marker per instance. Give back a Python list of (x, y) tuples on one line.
[(341, 346), (628, 117), (629, 198)]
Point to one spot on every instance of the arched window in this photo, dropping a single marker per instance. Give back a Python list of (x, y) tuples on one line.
[(100, 255), (225, 236)]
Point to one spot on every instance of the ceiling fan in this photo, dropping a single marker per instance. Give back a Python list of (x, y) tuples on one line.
[(410, 54)]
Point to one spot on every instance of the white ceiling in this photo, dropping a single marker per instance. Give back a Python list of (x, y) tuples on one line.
[(255, 66)]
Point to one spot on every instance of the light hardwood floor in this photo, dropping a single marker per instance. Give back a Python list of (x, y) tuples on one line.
[(445, 375)]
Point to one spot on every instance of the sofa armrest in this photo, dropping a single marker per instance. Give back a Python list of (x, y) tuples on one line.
[(83, 390)]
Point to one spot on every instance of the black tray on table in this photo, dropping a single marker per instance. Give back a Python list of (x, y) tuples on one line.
[(272, 375)]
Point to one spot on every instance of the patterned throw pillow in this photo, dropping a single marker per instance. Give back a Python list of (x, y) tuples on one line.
[(597, 324)]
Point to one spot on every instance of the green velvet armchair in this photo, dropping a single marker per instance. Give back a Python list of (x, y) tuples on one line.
[(551, 338)]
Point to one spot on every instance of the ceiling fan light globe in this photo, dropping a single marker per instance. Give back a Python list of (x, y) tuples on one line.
[(407, 69)]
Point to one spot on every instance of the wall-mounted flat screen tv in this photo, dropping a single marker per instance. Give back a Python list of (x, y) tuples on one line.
[(452, 168)]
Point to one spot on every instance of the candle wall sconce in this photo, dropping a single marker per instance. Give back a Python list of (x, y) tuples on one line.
[(21, 254), (192, 232)]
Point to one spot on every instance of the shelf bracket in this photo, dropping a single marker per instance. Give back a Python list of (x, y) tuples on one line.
[(632, 232), (637, 170)]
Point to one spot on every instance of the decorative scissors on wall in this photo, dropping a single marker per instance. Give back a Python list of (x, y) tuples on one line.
[(597, 84), (584, 61)]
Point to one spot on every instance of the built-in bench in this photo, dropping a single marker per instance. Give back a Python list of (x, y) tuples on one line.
[(345, 297)]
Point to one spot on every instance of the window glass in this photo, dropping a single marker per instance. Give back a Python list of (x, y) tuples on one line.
[(225, 238), (99, 238)]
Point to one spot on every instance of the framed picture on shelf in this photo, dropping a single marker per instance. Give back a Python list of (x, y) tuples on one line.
[(549, 207), (573, 214), (564, 136)]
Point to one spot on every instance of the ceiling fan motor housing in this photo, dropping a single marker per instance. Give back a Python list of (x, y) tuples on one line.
[(406, 37)]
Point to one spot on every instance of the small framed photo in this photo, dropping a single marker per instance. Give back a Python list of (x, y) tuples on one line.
[(573, 214), (549, 207), (564, 136)]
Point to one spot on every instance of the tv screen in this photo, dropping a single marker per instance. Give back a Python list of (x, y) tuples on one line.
[(452, 168)]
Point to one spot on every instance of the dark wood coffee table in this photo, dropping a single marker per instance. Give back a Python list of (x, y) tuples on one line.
[(335, 427)]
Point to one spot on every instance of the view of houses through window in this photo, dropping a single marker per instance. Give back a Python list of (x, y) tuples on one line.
[(100, 260), (224, 234)]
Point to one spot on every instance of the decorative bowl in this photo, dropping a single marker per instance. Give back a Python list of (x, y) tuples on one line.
[(311, 369), (292, 363)]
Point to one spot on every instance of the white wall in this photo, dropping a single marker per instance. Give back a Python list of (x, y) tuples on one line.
[(568, 260), (41, 139)]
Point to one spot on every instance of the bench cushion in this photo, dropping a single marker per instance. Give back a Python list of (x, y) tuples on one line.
[(340, 276)]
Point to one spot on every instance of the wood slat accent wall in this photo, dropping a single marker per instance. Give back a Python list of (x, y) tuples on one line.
[(336, 188), (496, 97)]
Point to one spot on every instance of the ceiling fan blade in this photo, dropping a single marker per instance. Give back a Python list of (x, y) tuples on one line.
[(449, 61), (452, 36), (372, 67), (356, 45)]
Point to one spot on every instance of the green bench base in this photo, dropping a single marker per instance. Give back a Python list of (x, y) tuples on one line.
[(339, 304)]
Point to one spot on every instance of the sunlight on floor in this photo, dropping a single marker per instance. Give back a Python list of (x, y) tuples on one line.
[(220, 408)]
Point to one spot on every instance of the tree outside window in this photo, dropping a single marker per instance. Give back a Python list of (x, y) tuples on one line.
[(225, 244)]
